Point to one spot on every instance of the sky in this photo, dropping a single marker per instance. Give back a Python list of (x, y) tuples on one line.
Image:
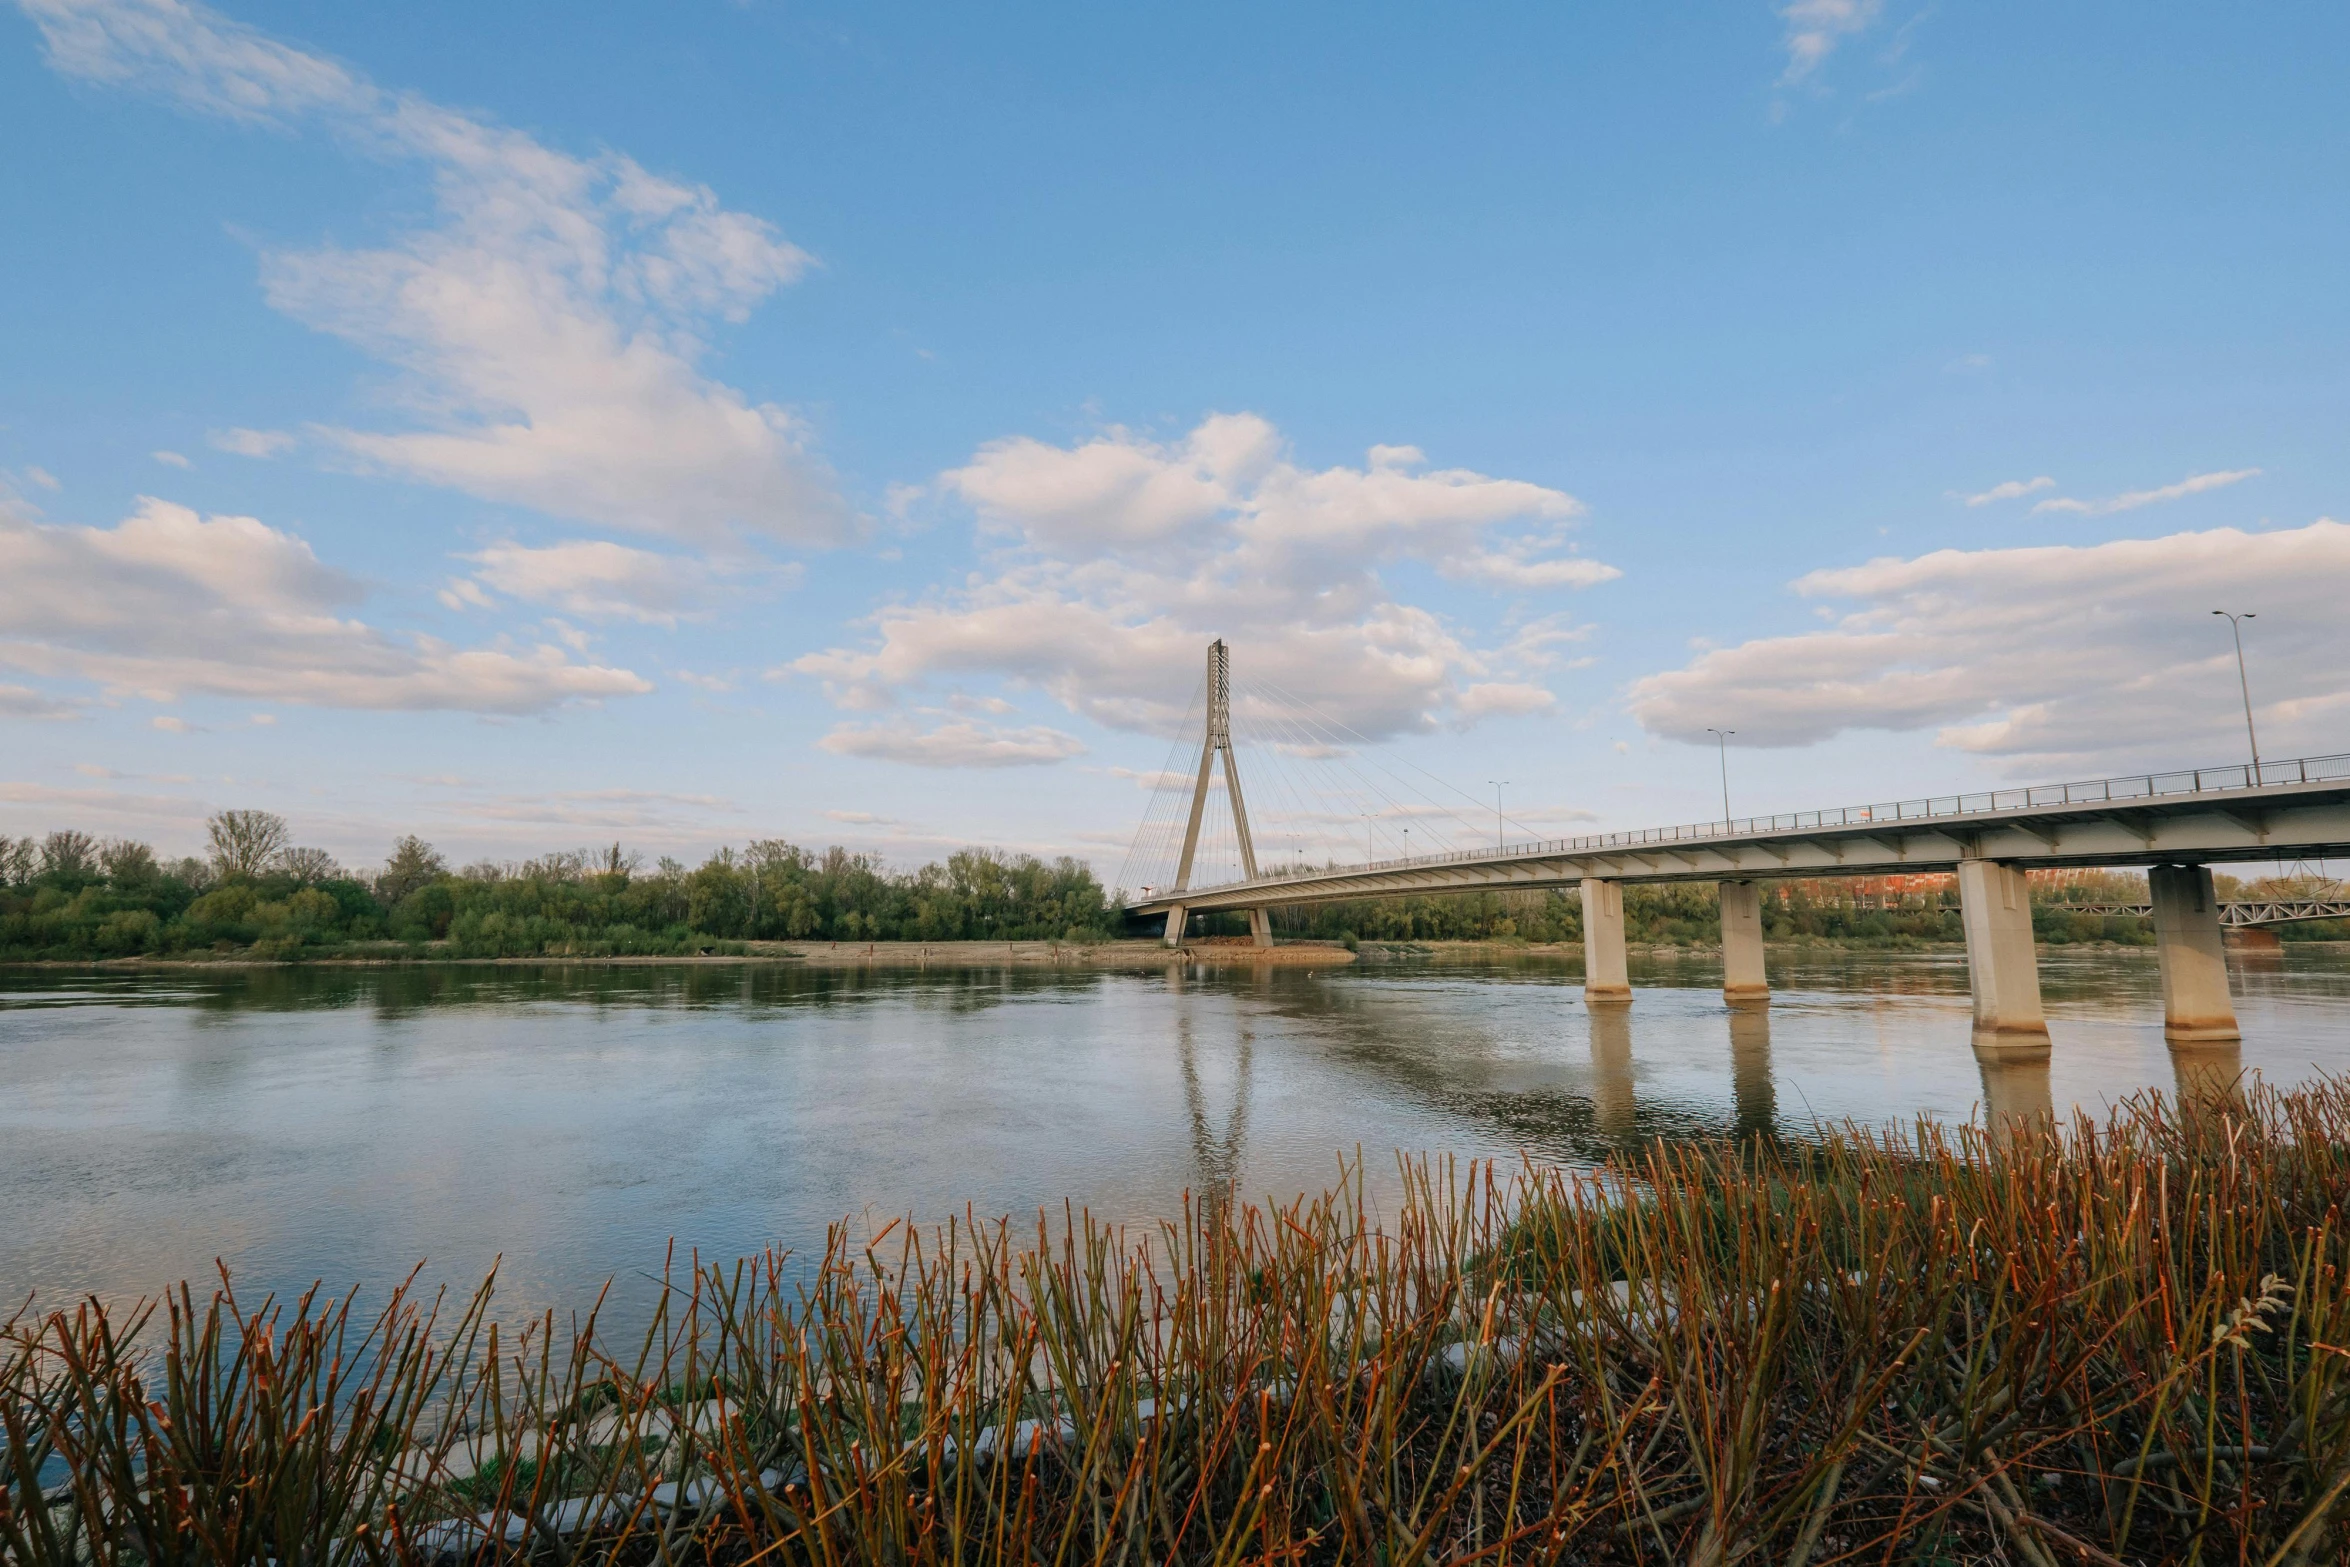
[(542, 425)]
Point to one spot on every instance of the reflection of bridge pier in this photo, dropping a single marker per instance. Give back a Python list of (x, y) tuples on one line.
[(1753, 1098), (1611, 1070), (2016, 1091)]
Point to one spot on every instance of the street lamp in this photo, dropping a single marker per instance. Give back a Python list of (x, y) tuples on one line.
[(2243, 681), (1722, 747), (1497, 783)]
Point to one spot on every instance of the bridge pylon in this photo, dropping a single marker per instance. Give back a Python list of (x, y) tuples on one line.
[(1217, 742)]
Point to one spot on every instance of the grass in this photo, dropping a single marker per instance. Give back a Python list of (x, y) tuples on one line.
[(2124, 1340)]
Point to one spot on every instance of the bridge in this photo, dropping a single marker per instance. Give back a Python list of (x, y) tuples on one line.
[(2176, 825)]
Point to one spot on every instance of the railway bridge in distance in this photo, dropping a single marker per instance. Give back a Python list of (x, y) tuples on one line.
[(2176, 825)]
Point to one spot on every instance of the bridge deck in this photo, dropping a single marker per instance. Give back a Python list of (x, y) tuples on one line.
[(2212, 814)]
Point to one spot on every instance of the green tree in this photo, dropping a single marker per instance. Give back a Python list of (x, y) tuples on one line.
[(413, 864)]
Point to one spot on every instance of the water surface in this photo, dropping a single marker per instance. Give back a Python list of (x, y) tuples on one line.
[(347, 1124)]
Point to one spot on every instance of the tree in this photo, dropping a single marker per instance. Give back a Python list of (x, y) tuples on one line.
[(128, 864), (414, 863), (69, 853), (16, 861), (307, 865), (244, 842)]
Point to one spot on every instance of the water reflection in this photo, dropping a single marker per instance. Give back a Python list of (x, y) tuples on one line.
[(342, 1124), (1753, 1096), (2208, 1073), (1216, 1157), (2016, 1090), (1613, 1108)]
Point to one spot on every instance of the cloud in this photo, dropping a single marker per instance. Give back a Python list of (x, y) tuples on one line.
[(2086, 657), (1504, 698), (42, 477), (961, 742), (173, 725), (549, 326), (586, 577), (251, 443), (2131, 500), (167, 603), (172, 459), (2010, 490), (24, 702), (1120, 558), (1816, 27)]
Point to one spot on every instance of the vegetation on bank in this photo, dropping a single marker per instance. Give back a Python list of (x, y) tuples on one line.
[(1688, 914), (2116, 1342), (71, 896)]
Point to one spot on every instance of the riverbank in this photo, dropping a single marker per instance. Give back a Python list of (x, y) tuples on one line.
[(1696, 1355), (1149, 954)]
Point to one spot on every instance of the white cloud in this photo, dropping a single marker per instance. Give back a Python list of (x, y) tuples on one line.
[(1816, 27), (2011, 489), (171, 724), (167, 602), (2131, 500), (1122, 557), (586, 577), (172, 459), (251, 443), (960, 742), (2081, 657), (42, 477), (550, 327)]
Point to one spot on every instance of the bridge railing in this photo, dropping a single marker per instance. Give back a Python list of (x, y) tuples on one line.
[(2096, 791)]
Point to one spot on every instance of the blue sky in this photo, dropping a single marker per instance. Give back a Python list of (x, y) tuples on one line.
[(534, 425)]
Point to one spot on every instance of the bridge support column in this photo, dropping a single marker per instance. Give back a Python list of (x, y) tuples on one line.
[(1176, 917), (1605, 976), (1743, 978), (1260, 926), (2196, 1008), (2002, 969)]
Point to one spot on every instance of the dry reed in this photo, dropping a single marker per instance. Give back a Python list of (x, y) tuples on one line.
[(2120, 1340)]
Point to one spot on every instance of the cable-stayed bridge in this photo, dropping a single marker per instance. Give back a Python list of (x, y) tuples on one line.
[(1198, 852)]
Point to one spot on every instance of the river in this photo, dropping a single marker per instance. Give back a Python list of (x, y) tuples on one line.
[(346, 1125)]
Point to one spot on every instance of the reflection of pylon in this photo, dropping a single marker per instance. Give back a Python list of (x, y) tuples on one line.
[(1218, 741)]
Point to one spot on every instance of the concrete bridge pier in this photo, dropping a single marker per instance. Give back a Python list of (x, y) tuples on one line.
[(1743, 978), (2002, 969), (1605, 976), (1176, 918), (2196, 1007), (1260, 926)]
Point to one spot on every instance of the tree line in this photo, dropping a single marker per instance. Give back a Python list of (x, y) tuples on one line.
[(70, 895)]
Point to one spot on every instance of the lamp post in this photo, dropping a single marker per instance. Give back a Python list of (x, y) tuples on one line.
[(2244, 682), (1497, 783), (1722, 748)]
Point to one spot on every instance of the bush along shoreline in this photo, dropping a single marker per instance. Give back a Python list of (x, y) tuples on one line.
[(71, 897), (2113, 1341)]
